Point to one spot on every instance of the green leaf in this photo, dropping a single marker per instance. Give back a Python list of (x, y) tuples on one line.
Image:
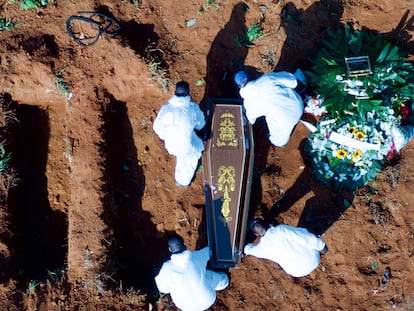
[(330, 62), (393, 54), (399, 79), (383, 54), (200, 82), (375, 103)]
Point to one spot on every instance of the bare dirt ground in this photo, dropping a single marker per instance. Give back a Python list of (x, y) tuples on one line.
[(85, 227)]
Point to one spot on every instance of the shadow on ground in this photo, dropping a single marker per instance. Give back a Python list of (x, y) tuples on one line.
[(135, 249)]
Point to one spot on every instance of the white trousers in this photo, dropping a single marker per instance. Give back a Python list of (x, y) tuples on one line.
[(217, 280), (185, 168)]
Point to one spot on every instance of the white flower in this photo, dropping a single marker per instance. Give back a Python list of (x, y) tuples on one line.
[(356, 177), (324, 123), (314, 105), (342, 177), (318, 144)]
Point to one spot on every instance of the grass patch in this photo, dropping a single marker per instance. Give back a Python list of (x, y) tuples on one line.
[(255, 32), (5, 158), (137, 4), (32, 4), (32, 285), (207, 5), (68, 148), (269, 58), (8, 177), (61, 84), (158, 73), (6, 25)]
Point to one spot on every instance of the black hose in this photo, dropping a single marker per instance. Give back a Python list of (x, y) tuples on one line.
[(103, 23)]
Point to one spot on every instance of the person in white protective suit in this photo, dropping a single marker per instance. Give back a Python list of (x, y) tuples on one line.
[(296, 250), (401, 136), (273, 96), (175, 124), (192, 287)]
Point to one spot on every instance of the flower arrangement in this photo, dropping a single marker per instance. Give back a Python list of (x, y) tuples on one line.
[(360, 112), (348, 154)]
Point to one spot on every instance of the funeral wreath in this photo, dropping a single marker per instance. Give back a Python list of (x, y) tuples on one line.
[(364, 90)]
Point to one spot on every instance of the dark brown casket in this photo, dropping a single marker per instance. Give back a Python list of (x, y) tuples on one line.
[(227, 171)]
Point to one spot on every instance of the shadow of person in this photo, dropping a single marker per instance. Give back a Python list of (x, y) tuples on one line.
[(402, 33), (303, 29), (226, 57), (261, 149), (320, 211), (134, 233)]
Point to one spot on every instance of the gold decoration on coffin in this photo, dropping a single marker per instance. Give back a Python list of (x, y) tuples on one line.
[(226, 183), (227, 131)]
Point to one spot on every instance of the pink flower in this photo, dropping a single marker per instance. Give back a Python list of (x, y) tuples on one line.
[(392, 152), (405, 110)]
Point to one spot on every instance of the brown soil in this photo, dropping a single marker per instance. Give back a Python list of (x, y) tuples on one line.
[(85, 227)]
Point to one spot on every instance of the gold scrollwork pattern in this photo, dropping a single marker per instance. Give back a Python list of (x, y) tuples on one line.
[(227, 131), (226, 184)]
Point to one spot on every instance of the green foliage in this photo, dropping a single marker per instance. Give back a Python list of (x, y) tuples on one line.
[(249, 35), (158, 73), (6, 24), (269, 58), (200, 82), (61, 83), (137, 4), (392, 76), (32, 4), (56, 275), (4, 158), (209, 3), (254, 32), (32, 285)]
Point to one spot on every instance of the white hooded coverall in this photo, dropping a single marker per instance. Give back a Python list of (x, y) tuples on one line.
[(192, 287), (175, 124), (273, 96), (296, 250)]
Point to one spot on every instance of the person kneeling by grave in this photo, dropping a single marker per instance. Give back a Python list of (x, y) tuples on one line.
[(296, 250), (273, 96), (175, 124), (185, 277)]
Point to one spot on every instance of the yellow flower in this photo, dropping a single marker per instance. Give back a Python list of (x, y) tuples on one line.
[(356, 155), (341, 154), (352, 130), (360, 135)]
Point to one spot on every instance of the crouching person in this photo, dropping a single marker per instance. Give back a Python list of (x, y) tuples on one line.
[(175, 124), (296, 250), (185, 277)]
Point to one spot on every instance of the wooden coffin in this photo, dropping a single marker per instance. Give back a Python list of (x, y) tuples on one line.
[(227, 171)]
